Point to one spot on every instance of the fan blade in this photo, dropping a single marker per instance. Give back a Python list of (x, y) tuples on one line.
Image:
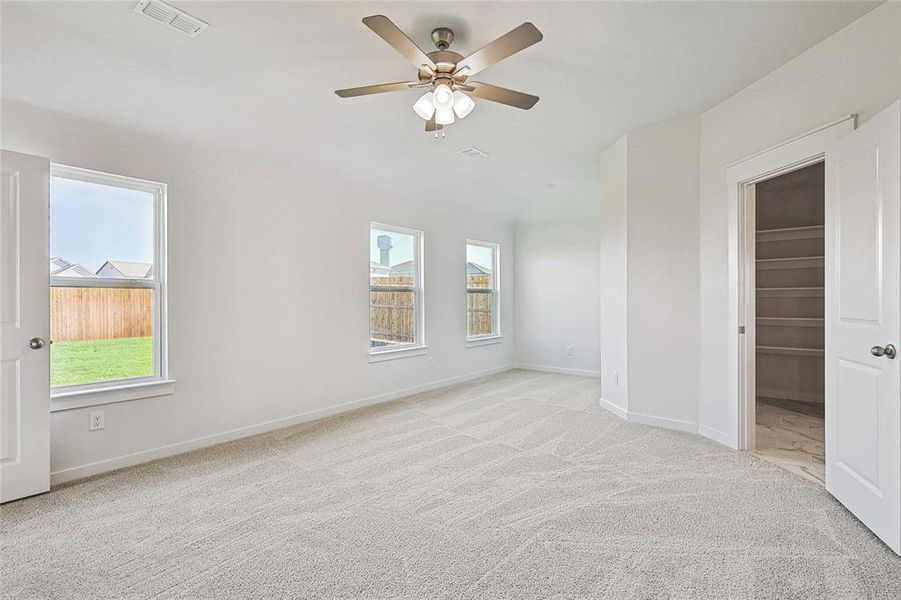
[(377, 89), (397, 39), (486, 91), (431, 125), (508, 44)]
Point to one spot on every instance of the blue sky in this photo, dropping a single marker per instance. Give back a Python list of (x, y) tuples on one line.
[(92, 223), (480, 255), (402, 249)]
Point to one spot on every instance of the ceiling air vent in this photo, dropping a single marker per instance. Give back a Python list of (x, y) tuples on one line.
[(472, 152), (171, 16)]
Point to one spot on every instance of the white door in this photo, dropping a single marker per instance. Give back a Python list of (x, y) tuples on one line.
[(863, 375), (24, 327)]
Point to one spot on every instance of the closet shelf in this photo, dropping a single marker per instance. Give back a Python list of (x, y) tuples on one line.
[(791, 292), (791, 351), (791, 321), (791, 233), (801, 262)]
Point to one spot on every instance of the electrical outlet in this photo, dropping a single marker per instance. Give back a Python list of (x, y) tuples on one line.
[(616, 378), (569, 350), (98, 420)]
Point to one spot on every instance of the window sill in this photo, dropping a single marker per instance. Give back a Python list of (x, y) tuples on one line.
[(384, 355), (70, 399), (484, 341)]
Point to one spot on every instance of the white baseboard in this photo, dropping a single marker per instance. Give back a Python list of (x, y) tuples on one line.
[(717, 436), (619, 411), (561, 370), (136, 458), (643, 419), (665, 422)]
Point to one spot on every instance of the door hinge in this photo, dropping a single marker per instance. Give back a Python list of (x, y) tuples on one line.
[(741, 329)]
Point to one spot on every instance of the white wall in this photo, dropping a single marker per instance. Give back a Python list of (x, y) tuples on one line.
[(664, 224), (557, 296), (649, 308), (251, 340), (614, 277), (663, 276), (857, 70)]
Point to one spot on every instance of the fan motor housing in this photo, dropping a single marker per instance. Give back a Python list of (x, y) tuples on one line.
[(445, 61)]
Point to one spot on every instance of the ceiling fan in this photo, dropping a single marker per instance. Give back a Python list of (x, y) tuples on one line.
[(446, 74)]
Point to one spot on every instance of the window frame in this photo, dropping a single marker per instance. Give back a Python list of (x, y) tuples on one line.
[(495, 336), (117, 390), (418, 346)]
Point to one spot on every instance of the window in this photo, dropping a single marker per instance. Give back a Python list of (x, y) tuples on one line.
[(482, 290), (107, 278), (395, 289)]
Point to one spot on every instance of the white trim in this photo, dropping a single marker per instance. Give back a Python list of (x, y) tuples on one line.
[(791, 155), (840, 121), (664, 422), (128, 460), (561, 370), (395, 353), (716, 435), (485, 340), (419, 339), (644, 419), (122, 392), (495, 291), (619, 411)]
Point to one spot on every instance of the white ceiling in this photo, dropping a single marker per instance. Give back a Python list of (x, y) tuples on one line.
[(262, 77)]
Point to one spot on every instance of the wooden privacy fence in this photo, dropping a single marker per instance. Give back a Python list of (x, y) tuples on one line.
[(392, 315), (100, 313), (478, 313)]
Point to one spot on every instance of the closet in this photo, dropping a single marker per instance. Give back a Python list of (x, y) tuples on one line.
[(790, 375)]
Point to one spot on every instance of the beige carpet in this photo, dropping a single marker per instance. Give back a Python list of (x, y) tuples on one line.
[(514, 486)]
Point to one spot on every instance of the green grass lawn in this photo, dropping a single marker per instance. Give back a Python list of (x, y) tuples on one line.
[(100, 360)]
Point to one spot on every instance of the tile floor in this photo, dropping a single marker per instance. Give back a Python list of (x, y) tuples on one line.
[(792, 436)]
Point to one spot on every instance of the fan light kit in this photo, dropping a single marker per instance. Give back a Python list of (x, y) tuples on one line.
[(445, 74)]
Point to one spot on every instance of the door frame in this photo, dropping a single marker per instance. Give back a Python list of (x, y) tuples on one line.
[(741, 178)]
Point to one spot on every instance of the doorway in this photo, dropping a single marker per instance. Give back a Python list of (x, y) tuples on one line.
[(789, 246), (862, 313)]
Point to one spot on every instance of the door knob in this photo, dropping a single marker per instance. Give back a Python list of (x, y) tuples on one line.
[(35, 343), (888, 351)]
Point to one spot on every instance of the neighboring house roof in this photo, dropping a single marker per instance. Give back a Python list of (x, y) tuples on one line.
[(75, 270), (60, 267), (378, 268), (404, 268), (57, 264), (474, 269), (125, 269)]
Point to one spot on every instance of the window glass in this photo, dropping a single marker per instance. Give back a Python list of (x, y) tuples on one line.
[(481, 289), (100, 334), (102, 229), (394, 292)]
